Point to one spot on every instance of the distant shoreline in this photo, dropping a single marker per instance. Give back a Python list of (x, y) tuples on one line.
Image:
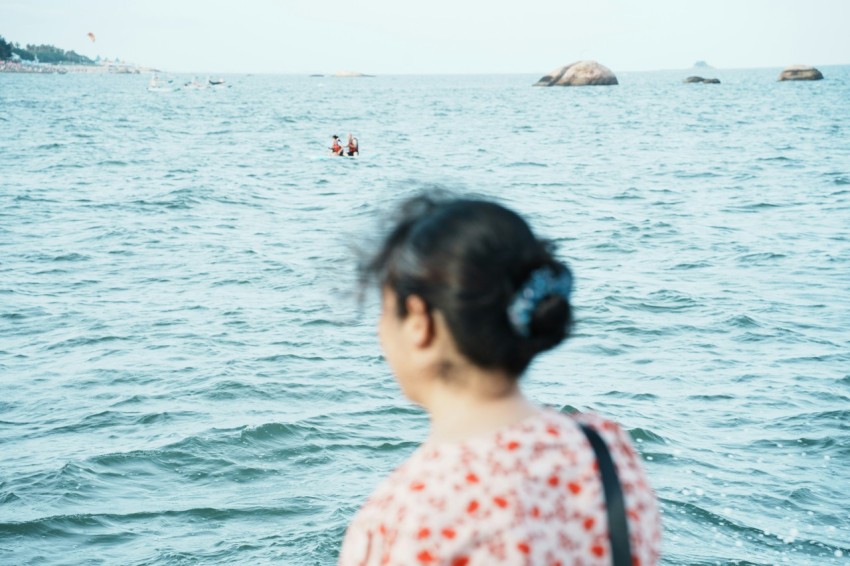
[(104, 67), (130, 69)]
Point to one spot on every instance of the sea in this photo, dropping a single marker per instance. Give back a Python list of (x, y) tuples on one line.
[(190, 374)]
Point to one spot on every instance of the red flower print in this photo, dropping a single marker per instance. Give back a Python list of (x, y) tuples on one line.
[(520, 495), (598, 550)]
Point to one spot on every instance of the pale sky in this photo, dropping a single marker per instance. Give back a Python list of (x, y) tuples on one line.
[(437, 36)]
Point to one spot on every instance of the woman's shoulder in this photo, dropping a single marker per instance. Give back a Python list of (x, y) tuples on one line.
[(606, 427), (553, 423), (523, 453)]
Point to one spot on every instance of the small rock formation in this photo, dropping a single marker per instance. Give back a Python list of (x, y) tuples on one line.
[(580, 73), (690, 80), (800, 73), (349, 74)]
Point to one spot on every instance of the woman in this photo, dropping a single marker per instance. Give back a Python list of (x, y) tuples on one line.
[(469, 297), (353, 146), (336, 148)]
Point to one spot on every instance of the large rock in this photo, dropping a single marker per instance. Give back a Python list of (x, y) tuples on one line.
[(800, 73), (691, 80), (580, 73)]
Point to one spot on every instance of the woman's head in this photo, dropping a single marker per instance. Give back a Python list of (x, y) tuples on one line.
[(471, 262)]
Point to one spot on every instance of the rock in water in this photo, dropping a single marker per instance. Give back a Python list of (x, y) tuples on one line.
[(350, 74), (580, 73), (702, 80), (800, 73)]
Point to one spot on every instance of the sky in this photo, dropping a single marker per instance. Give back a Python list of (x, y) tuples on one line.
[(436, 36)]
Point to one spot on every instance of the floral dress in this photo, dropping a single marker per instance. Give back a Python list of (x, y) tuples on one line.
[(529, 494)]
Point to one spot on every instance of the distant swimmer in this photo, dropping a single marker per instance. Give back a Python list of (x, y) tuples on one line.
[(353, 146), (336, 148)]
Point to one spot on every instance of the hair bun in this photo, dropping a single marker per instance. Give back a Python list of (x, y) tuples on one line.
[(546, 281), (550, 322), (540, 310)]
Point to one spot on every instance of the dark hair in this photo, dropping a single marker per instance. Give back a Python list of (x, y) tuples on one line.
[(467, 259)]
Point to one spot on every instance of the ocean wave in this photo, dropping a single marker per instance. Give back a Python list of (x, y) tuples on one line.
[(526, 164), (80, 523), (645, 435), (85, 341)]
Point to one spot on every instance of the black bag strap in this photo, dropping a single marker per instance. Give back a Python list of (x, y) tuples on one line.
[(618, 527)]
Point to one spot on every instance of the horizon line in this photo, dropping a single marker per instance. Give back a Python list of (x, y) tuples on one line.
[(371, 74)]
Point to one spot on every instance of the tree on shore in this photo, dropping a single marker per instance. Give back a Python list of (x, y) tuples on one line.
[(52, 54), (5, 49), (42, 53)]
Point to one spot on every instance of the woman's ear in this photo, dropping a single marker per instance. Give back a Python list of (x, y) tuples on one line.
[(418, 324)]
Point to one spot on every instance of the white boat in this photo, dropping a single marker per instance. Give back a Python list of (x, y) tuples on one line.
[(156, 85)]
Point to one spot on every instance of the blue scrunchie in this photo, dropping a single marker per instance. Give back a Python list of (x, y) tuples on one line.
[(542, 283)]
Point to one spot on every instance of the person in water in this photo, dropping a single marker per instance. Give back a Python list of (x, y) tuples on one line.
[(469, 297), (353, 146), (336, 147)]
